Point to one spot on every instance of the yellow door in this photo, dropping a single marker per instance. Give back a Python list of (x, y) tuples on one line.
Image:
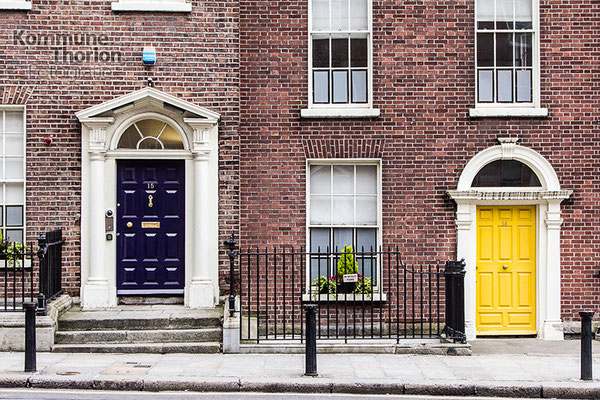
[(506, 270)]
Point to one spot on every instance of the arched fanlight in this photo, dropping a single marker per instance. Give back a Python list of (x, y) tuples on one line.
[(150, 134), (506, 173)]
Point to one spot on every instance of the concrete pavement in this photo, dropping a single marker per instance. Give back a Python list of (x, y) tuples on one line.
[(524, 368)]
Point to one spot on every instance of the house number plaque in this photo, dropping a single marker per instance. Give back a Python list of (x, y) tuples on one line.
[(150, 225)]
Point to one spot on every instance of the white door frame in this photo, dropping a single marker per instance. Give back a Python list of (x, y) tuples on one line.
[(546, 198), (102, 126)]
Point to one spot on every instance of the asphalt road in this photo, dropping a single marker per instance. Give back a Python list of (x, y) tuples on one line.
[(18, 394)]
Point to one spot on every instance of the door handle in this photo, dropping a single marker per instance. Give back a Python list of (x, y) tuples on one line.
[(505, 267), (129, 224)]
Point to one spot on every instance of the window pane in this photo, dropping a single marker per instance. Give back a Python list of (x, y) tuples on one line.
[(14, 193), (319, 266), (342, 237), (320, 179), (504, 49), (359, 86), (320, 53), (150, 143), (359, 52), (343, 210), (339, 15), (506, 173), (504, 14), (14, 235), (340, 86), (485, 85), (523, 56), (14, 168), (321, 86), (366, 240), (14, 122), (14, 144), (320, 10), (485, 49), (366, 210), (129, 138), (320, 210), (523, 14), (339, 52), (359, 15), (343, 179), (14, 216), (485, 14), (170, 138), (366, 179), (504, 86), (319, 237), (524, 85), (1, 217)]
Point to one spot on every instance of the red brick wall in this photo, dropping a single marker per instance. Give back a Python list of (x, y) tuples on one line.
[(197, 61), (423, 85)]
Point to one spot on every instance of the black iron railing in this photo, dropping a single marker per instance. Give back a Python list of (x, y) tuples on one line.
[(31, 275), (383, 297)]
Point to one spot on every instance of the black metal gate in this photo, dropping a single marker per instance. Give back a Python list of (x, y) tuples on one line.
[(30, 274)]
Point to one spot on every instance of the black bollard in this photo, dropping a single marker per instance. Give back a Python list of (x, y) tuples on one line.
[(30, 355), (311, 340), (586, 345)]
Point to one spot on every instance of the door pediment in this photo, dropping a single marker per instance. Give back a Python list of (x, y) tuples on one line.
[(148, 97)]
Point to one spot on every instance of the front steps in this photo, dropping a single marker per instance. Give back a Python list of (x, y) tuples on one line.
[(140, 329)]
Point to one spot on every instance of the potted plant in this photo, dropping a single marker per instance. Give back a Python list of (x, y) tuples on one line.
[(347, 271), (325, 285)]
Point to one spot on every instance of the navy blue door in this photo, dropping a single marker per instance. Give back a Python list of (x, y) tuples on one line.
[(150, 227)]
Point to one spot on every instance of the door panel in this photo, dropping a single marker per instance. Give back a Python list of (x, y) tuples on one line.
[(506, 270), (150, 227)]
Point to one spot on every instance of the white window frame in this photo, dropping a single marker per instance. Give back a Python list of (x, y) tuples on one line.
[(3, 109), (15, 5), (152, 5), (514, 109), (336, 110), (379, 226)]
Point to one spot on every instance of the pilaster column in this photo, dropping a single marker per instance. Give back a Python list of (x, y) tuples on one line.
[(553, 327), (95, 290), (466, 234), (201, 290)]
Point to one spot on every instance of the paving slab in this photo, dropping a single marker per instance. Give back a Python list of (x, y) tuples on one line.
[(499, 375)]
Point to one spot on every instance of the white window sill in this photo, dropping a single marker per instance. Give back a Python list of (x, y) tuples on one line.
[(161, 6), (15, 5), (339, 112), (483, 112), (350, 298)]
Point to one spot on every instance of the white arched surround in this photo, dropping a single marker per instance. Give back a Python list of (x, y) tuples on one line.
[(546, 198), (102, 127)]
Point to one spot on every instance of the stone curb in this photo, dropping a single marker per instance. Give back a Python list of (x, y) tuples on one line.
[(558, 390)]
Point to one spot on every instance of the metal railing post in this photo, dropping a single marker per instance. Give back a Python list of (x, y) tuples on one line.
[(586, 345), (311, 340), (30, 345), (230, 243), (43, 273), (455, 300)]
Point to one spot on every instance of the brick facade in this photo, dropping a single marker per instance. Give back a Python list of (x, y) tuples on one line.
[(248, 61)]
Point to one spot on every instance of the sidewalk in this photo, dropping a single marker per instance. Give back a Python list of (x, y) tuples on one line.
[(525, 368)]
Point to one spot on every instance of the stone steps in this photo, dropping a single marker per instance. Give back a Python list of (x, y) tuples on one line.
[(140, 329), (160, 348), (140, 336)]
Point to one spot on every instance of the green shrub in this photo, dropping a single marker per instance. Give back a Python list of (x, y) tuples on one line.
[(347, 264)]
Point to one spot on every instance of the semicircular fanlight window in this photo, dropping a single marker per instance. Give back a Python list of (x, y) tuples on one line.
[(150, 134), (506, 173)]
